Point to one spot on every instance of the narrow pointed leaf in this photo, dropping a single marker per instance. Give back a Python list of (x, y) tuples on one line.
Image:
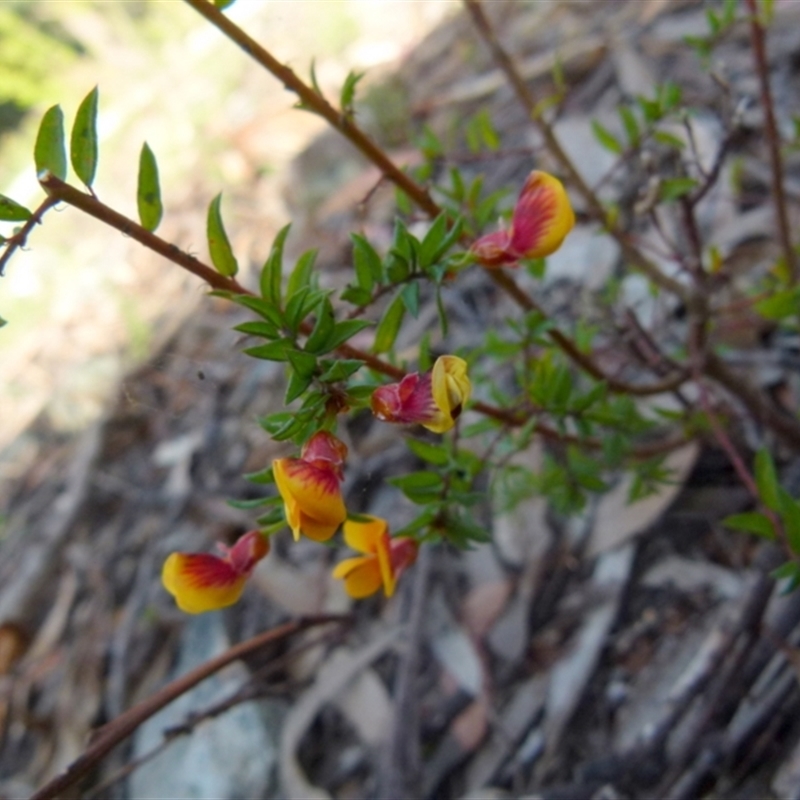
[(83, 142), (219, 247), (148, 190), (302, 272), (271, 272), (12, 211), (49, 152), (767, 480), (389, 326)]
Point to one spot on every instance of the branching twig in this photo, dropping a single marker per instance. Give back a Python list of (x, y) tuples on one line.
[(19, 239), (116, 731), (574, 178), (757, 40)]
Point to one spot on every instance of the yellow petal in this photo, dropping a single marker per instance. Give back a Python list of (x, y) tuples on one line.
[(364, 536), (201, 582), (362, 576), (385, 564), (451, 389), (318, 531)]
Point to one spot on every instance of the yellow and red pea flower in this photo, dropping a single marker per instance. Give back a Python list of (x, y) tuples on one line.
[(311, 487), (383, 561), (542, 218), (434, 400), (206, 582)]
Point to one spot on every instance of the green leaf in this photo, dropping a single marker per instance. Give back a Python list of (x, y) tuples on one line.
[(790, 515), (767, 480), (303, 363), (366, 262), (420, 487), (341, 370), (223, 4), (669, 139), (12, 211), (265, 329), (274, 351), (433, 453), (674, 188), (317, 340), (219, 247), (262, 308), (356, 296), (300, 305), (148, 190), (750, 522), (429, 250), (630, 123), (463, 529), (389, 326), (83, 142), (410, 295), (790, 571), (297, 385), (271, 272), (606, 138), (343, 331), (300, 276), (781, 304), (348, 92), (49, 152)]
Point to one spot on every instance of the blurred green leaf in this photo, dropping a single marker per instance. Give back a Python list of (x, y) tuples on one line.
[(49, 152), (300, 276), (323, 327), (366, 262), (83, 142), (790, 515), (630, 124), (606, 138), (258, 328), (223, 4), (348, 93), (767, 480), (343, 331), (389, 326), (781, 304), (340, 370), (219, 247), (274, 351), (272, 271), (148, 190), (436, 454), (674, 188), (12, 211), (750, 522)]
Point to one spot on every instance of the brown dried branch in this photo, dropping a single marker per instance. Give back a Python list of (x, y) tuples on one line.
[(116, 731)]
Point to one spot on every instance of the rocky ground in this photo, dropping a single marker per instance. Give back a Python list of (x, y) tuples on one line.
[(636, 651)]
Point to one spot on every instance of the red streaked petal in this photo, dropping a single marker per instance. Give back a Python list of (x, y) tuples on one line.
[(324, 446), (409, 401), (492, 250), (543, 216), (309, 492), (403, 553), (247, 551), (201, 582)]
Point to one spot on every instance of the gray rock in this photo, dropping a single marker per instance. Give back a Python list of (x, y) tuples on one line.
[(230, 757)]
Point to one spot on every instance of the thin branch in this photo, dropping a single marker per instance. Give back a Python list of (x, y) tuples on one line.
[(116, 731), (19, 239), (574, 178), (757, 40)]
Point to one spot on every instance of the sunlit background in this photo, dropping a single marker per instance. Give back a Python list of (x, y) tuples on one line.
[(82, 303)]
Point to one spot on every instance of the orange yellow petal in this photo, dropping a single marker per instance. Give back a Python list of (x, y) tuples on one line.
[(542, 218), (201, 582), (364, 536), (312, 497), (362, 576)]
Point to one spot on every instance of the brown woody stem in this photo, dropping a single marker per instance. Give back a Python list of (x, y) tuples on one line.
[(757, 40), (116, 731)]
